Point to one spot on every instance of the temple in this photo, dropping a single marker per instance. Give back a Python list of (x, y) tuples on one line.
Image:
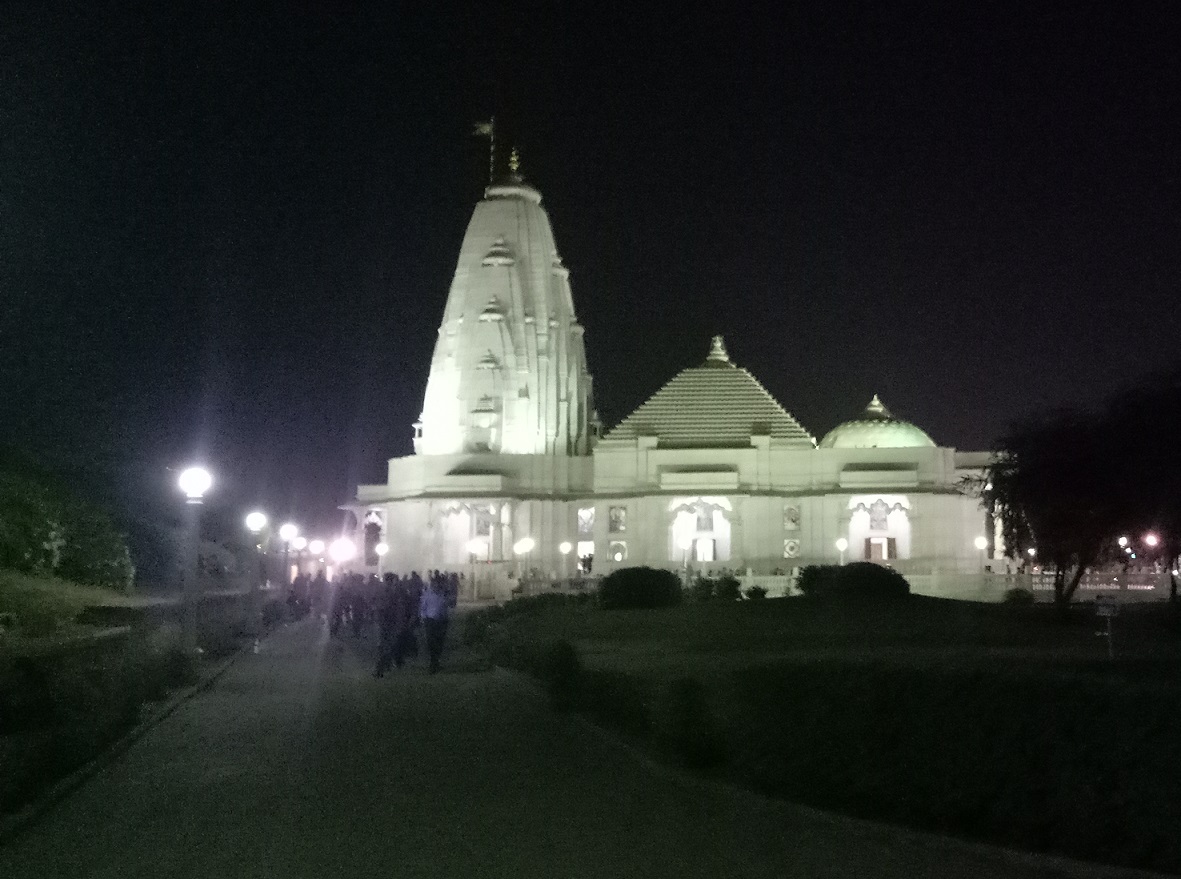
[(510, 479)]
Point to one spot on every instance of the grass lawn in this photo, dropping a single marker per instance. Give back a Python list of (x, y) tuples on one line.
[(711, 639), (1002, 723), (47, 606)]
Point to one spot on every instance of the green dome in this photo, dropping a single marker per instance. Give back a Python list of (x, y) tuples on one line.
[(876, 429)]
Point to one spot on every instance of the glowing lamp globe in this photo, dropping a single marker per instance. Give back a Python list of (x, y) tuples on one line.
[(315, 547), (1032, 552), (256, 521), (299, 543), (524, 545), (981, 543), (842, 544), (381, 548), (1123, 541), (564, 547), (342, 550), (288, 532), (1151, 540), (194, 482)]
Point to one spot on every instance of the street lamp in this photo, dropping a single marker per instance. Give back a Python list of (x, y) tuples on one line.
[(194, 482), (1123, 541), (342, 550), (842, 545), (685, 545), (1151, 539), (381, 549), (255, 523), (288, 533), (523, 547), (316, 547), (475, 548), (982, 545), (564, 548)]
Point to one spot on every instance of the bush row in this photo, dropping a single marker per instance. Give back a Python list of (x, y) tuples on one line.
[(676, 718), (58, 713), (857, 580), (1084, 765)]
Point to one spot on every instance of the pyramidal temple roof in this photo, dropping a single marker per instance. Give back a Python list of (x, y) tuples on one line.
[(715, 404)]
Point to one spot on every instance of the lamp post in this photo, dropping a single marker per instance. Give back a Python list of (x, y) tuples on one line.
[(981, 544), (842, 544), (288, 532), (194, 482), (564, 548), (341, 550), (381, 549), (523, 547), (475, 546), (255, 523), (685, 544)]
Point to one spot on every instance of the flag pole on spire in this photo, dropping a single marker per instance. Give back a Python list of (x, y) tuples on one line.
[(488, 130)]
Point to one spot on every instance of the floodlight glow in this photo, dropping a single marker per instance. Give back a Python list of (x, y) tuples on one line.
[(299, 543), (256, 521), (524, 545), (1032, 552), (194, 482), (686, 543), (1151, 539), (564, 547), (288, 532), (315, 547), (842, 544), (342, 550), (475, 546), (1123, 541), (381, 548), (981, 543)]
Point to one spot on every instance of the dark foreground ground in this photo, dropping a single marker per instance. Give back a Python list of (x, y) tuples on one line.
[(297, 763)]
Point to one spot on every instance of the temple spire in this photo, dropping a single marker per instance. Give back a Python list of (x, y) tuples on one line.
[(717, 351)]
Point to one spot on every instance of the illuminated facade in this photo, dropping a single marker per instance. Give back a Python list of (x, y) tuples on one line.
[(711, 472)]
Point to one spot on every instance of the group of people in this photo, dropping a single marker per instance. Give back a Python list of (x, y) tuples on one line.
[(399, 606)]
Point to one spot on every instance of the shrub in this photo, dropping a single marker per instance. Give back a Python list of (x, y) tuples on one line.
[(756, 592), (727, 588), (702, 588), (561, 672), (685, 726), (616, 700), (272, 613), (1018, 596), (640, 588), (858, 580)]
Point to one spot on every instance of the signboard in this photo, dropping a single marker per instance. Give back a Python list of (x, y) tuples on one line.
[(1106, 607)]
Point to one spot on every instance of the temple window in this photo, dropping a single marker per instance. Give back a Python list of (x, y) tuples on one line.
[(586, 521), (616, 520), (617, 550)]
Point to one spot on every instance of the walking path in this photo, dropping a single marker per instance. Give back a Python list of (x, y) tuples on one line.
[(297, 763)]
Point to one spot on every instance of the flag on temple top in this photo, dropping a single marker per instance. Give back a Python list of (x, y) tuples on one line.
[(483, 129)]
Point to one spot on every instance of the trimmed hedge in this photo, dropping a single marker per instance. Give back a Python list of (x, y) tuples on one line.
[(640, 588), (1083, 765), (858, 580)]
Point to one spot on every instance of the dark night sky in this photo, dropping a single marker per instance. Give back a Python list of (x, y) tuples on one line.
[(229, 231)]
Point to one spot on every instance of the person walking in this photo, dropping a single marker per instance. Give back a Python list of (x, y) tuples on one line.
[(394, 619), (434, 612)]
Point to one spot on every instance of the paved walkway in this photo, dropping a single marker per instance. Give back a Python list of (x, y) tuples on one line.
[(297, 763)]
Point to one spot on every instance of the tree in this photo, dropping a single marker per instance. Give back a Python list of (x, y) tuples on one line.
[(1054, 484)]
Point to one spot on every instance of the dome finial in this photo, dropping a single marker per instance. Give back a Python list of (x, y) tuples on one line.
[(877, 409), (717, 351), (514, 161)]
